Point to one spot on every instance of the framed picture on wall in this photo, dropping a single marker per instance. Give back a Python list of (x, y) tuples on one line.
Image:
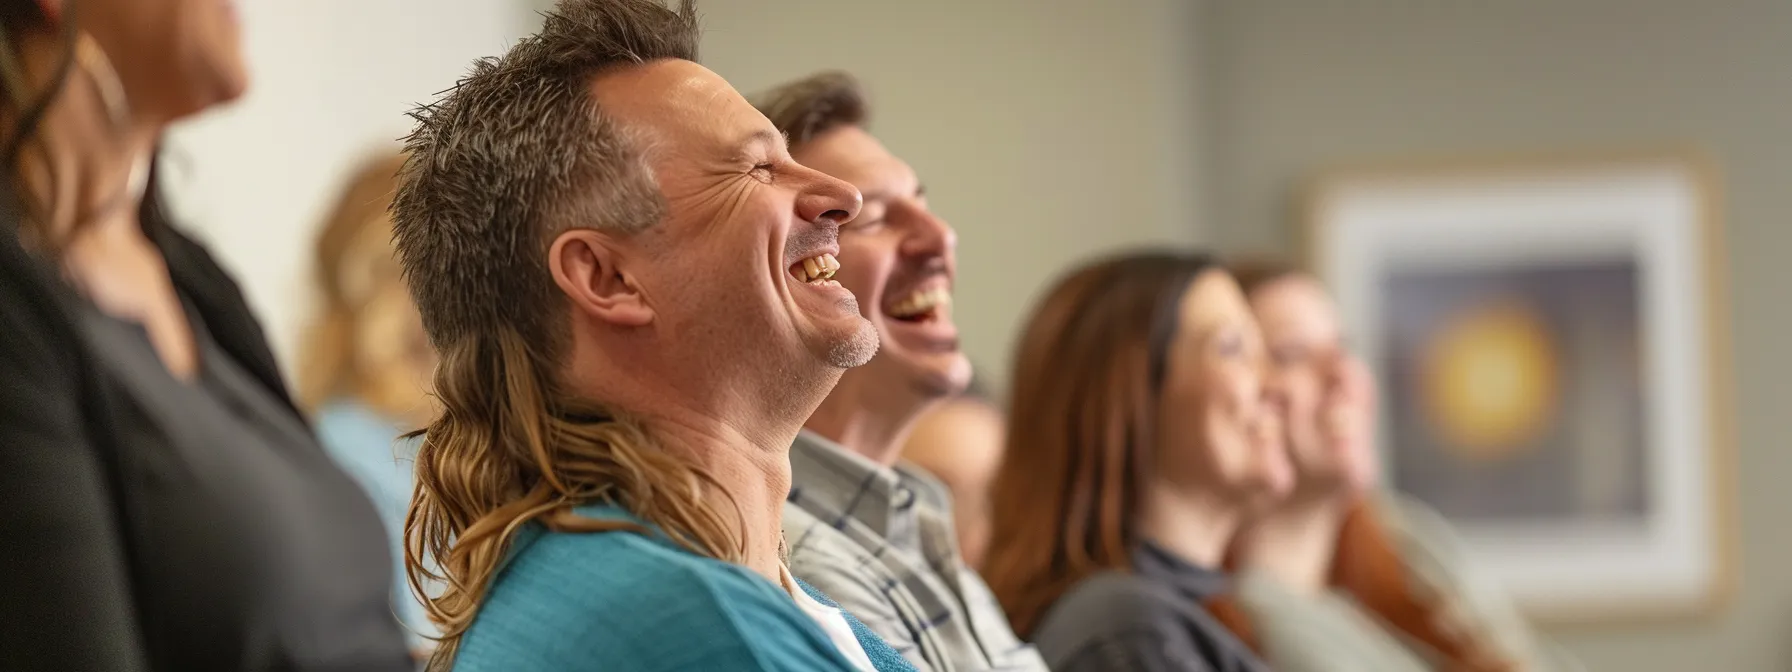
[(1550, 341)]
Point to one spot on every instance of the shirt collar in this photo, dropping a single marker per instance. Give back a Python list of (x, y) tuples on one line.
[(836, 485), (1159, 564)]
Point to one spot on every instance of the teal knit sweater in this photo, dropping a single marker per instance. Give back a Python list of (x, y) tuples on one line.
[(577, 602)]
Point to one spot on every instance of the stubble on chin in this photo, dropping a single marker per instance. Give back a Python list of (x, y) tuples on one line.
[(853, 351)]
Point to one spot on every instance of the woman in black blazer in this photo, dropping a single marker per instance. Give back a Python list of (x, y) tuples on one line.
[(162, 504)]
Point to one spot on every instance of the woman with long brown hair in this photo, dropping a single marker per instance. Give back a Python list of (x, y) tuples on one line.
[(1341, 575), (1141, 432), (163, 505), (366, 364)]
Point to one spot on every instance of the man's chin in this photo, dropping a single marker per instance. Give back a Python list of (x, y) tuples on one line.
[(853, 348), (936, 375)]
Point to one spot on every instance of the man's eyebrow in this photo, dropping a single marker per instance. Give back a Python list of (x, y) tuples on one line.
[(880, 192), (764, 136)]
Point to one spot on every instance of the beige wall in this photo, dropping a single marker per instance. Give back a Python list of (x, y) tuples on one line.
[(331, 81), (1297, 85), (1046, 130)]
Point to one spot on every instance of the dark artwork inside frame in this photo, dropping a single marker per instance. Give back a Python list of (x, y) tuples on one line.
[(1514, 394)]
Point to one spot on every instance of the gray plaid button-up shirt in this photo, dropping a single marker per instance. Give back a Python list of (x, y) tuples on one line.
[(879, 541)]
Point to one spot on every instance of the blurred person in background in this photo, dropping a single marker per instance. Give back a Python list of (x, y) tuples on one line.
[(367, 361), (875, 535), (1341, 574), (627, 279), (960, 441), (1142, 428), (164, 505)]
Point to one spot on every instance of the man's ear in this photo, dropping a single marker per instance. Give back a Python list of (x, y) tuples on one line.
[(586, 266)]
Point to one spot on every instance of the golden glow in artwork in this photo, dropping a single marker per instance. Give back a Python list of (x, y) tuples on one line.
[(1490, 378)]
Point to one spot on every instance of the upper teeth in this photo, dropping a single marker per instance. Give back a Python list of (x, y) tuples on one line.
[(921, 302), (819, 267)]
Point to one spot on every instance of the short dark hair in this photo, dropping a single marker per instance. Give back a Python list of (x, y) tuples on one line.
[(813, 105), (519, 151)]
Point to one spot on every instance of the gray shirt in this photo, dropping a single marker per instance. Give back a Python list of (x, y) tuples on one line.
[(252, 551), (879, 541), (1146, 620)]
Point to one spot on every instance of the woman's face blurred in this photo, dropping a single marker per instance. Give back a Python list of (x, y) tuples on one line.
[(174, 57), (1330, 411), (390, 337), (1220, 423), (390, 341)]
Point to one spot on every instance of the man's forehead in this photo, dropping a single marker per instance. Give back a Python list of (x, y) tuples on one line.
[(853, 154), (680, 96)]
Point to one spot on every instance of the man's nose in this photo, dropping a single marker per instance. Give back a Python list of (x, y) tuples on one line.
[(827, 198)]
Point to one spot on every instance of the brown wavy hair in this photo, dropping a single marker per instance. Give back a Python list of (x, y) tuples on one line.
[(516, 153), (1367, 563), (359, 220), (1084, 404)]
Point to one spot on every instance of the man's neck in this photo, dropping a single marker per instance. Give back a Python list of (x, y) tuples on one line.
[(869, 419), (734, 426), (1194, 526), (1296, 541), (754, 480)]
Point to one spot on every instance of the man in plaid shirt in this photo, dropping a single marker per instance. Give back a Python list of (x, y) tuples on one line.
[(877, 536)]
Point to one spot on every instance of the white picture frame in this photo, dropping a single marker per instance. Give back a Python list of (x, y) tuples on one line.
[(1550, 339)]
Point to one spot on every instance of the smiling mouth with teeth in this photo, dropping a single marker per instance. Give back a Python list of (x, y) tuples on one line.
[(922, 306), (816, 270)]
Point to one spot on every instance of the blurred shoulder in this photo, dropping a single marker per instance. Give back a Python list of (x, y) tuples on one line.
[(1119, 620), (1108, 603), (1422, 535), (348, 416)]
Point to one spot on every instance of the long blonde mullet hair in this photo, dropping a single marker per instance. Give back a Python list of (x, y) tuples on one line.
[(517, 152), (511, 447)]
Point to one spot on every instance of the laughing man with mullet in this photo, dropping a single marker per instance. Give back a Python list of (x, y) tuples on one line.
[(626, 277), (873, 534)]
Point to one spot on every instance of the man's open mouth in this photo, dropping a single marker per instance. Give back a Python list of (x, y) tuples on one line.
[(922, 305), (816, 270)]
